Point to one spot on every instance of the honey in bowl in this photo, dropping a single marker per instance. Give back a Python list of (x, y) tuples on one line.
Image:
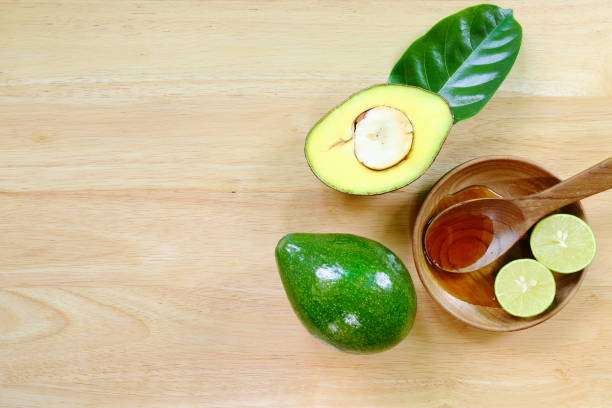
[(455, 245), (465, 248)]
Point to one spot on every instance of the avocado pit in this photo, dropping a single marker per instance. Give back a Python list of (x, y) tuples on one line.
[(382, 137)]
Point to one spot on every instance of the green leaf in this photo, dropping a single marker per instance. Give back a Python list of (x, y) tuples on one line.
[(464, 57)]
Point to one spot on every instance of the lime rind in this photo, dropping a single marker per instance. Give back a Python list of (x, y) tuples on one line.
[(563, 243), (525, 288)]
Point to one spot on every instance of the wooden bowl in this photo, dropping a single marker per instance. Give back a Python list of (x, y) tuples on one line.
[(469, 296)]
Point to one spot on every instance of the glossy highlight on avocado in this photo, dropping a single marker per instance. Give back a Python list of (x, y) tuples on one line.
[(330, 145), (349, 291)]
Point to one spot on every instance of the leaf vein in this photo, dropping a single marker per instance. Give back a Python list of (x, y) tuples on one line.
[(425, 68), (445, 42)]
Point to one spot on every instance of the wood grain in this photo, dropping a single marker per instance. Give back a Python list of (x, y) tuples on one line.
[(151, 155), (590, 181)]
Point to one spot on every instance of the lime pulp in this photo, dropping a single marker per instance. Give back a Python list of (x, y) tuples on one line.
[(525, 288), (563, 243)]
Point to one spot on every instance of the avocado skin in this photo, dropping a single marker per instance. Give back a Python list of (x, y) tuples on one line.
[(349, 291)]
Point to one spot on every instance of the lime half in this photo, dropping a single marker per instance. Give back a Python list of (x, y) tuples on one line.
[(524, 288), (563, 243)]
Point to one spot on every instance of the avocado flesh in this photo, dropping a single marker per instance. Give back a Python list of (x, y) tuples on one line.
[(349, 291), (330, 147)]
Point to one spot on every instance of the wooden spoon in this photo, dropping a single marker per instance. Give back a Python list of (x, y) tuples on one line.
[(470, 235)]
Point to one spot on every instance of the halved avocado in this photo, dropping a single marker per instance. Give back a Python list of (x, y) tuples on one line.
[(378, 140)]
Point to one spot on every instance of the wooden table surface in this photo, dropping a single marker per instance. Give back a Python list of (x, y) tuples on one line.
[(151, 157)]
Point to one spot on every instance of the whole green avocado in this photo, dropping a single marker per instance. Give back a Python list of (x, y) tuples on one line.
[(349, 291)]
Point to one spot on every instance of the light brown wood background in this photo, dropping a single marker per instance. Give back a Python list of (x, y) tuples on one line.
[(151, 157)]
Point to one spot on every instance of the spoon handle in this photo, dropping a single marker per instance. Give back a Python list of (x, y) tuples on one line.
[(586, 183)]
